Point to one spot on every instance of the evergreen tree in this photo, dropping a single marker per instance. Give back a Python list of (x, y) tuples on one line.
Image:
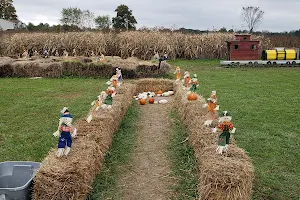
[(124, 18), (7, 10)]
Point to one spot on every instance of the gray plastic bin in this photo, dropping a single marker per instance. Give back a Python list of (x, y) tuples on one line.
[(16, 179)]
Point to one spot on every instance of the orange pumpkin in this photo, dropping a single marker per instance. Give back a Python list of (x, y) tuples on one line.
[(143, 101), (151, 100), (192, 97), (159, 92)]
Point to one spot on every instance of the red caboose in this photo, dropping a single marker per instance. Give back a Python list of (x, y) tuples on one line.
[(243, 48)]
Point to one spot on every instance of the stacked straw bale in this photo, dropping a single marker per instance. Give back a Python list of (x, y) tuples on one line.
[(153, 85), (223, 177), (56, 67), (71, 177)]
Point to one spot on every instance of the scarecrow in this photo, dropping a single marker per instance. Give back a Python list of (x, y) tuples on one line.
[(177, 72), (119, 75), (64, 133), (212, 102), (227, 128), (108, 100), (195, 83), (187, 79)]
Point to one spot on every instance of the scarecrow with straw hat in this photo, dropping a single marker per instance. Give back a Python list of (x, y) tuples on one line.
[(227, 128), (64, 133)]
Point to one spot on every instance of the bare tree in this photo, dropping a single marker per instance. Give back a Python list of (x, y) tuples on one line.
[(252, 16)]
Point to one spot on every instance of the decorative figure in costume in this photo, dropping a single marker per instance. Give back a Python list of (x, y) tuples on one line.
[(165, 56), (212, 102), (156, 56), (25, 54), (187, 79), (36, 53), (177, 72), (92, 54), (113, 81), (56, 53), (102, 57), (46, 53), (66, 54), (64, 133), (195, 83), (119, 75), (227, 128), (108, 100), (74, 52)]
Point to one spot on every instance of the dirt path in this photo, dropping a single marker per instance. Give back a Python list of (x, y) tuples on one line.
[(147, 177)]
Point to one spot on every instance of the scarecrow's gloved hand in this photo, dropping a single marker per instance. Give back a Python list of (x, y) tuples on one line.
[(233, 130), (56, 134)]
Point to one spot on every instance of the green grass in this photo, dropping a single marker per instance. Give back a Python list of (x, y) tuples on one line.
[(265, 107), (184, 167), (30, 110), (120, 154)]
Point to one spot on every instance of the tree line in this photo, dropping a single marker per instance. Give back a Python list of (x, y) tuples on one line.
[(76, 19)]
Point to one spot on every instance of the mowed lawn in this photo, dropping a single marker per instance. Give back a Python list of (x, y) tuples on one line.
[(266, 112), (30, 110)]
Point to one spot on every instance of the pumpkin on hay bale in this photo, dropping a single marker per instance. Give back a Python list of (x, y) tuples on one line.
[(192, 96)]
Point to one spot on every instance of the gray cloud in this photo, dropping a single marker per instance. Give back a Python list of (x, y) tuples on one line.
[(195, 14)]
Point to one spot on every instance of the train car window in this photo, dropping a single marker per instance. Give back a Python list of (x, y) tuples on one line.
[(245, 38), (236, 47), (253, 47)]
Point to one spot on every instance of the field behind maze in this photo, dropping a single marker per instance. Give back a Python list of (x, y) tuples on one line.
[(264, 103), (140, 44)]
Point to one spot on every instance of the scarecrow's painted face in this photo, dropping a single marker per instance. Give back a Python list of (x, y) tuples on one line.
[(225, 119)]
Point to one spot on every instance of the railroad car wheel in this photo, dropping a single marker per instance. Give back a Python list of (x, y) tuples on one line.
[(250, 63), (274, 63), (269, 63), (294, 63), (256, 63), (288, 63)]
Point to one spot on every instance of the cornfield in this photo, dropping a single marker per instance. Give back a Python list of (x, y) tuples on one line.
[(142, 45)]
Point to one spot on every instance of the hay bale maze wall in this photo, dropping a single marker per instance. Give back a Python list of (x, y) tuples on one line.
[(71, 177), (153, 85), (55, 67), (226, 177)]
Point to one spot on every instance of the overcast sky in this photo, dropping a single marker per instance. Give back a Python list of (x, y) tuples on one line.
[(280, 15)]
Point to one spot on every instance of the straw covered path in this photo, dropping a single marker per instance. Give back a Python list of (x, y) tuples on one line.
[(147, 175)]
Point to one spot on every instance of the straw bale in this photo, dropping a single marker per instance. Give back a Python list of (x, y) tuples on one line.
[(227, 176), (71, 177), (153, 85), (6, 69)]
